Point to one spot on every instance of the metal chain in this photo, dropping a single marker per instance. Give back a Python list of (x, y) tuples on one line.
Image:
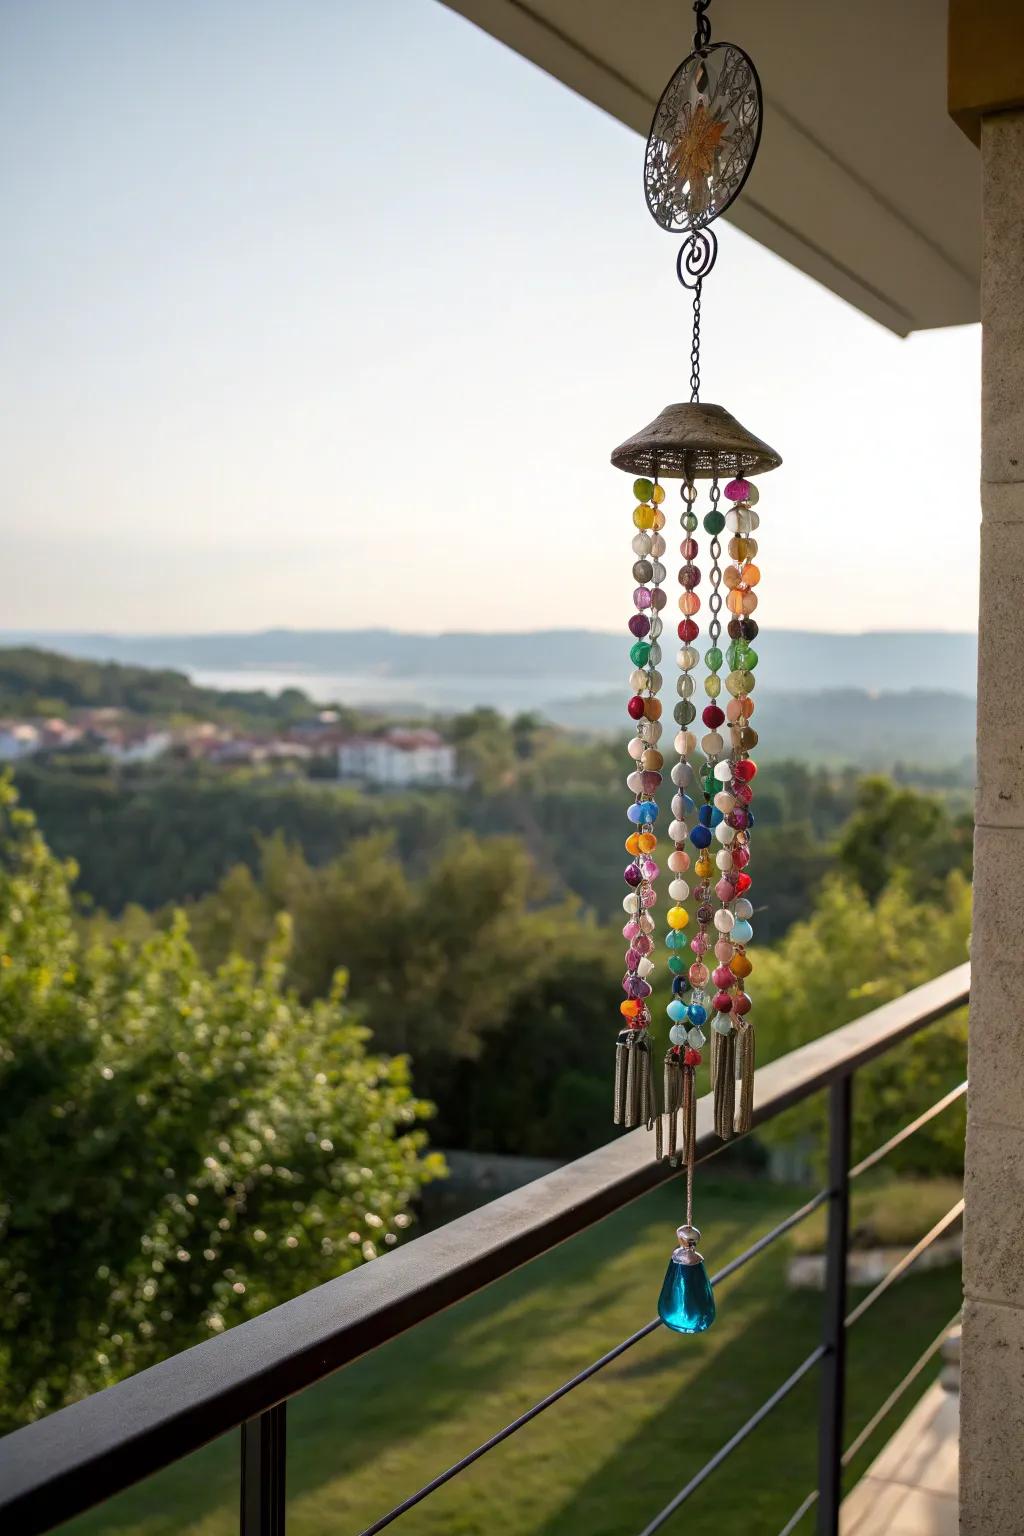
[(695, 345), (702, 35), (715, 600)]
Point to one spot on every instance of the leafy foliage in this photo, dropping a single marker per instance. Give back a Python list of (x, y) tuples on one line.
[(180, 1148)]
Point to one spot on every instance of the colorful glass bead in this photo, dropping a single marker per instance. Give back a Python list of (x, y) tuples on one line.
[(643, 489)]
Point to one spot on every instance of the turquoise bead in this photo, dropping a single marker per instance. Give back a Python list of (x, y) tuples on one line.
[(640, 654), (676, 964), (676, 939), (676, 1010), (742, 932), (687, 1302)]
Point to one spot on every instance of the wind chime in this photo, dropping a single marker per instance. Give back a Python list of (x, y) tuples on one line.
[(701, 146)]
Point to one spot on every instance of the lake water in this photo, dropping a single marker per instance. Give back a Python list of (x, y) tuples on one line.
[(448, 693)]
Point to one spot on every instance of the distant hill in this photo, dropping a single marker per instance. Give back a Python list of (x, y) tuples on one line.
[(558, 662)]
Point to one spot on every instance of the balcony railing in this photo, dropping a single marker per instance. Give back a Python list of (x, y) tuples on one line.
[(84, 1454)]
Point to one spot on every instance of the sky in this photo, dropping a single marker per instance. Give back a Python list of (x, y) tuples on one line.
[(329, 314)]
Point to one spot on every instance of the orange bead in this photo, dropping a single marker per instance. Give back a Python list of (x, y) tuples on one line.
[(731, 577), (652, 709), (629, 1008), (740, 965), (648, 842), (659, 519), (633, 844), (689, 604), (751, 575), (741, 602)]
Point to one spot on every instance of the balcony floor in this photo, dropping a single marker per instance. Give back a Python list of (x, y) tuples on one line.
[(910, 1489)]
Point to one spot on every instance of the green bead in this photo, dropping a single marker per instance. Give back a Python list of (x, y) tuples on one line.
[(709, 784), (713, 658), (734, 655), (750, 658), (676, 939), (714, 522), (643, 490), (640, 653), (740, 682), (677, 964), (689, 521), (684, 713), (712, 685)]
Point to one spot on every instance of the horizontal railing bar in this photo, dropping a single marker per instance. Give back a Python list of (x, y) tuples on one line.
[(798, 1514), (84, 1453), (908, 1131), (897, 1392), (861, 1440), (737, 1439), (902, 1265), (538, 1408)]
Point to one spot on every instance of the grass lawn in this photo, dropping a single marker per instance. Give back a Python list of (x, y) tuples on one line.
[(604, 1460)]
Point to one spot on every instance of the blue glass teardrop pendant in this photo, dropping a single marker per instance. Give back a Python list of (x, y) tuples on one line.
[(687, 1302)]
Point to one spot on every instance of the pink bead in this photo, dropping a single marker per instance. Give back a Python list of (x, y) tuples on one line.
[(698, 974), (631, 929), (722, 976), (725, 950), (740, 856), (642, 944), (688, 549), (649, 869), (699, 944), (742, 792), (631, 959), (737, 490), (725, 890), (723, 1002), (648, 896), (642, 597)]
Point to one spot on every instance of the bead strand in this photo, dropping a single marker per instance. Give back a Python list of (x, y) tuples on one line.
[(633, 1091), (684, 1051)]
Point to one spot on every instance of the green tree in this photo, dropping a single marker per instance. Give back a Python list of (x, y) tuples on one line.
[(898, 829), (180, 1148), (851, 955)]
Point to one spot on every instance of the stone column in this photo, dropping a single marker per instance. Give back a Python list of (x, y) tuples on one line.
[(992, 1400)]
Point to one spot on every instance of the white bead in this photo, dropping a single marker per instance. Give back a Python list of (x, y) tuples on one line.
[(725, 833), (687, 658), (724, 802), (655, 655), (678, 861), (724, 859), (644, 966), (656, 627), (642, 544), (684, 685), (678, 890), (658, 572), (636, 748), (635, 783), (723, 772), (631, 902), (657, 545), (650, 730), (713, 744), (678, 808), (646, 922), (654, 680), (685, 743), (742, 908), (754, 495), (754, 520), (682, 773), (724, 920), (637, 680), (677, 1034), (677, 831)]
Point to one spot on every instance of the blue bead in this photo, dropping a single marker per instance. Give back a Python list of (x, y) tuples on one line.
[(742, 932), (648, 811), (696, 1013), (704, 815), (750, 818), (676, 1011), (680, 986), (716, 816), (633, 813), (687, 1302), (675, 939), (687, 804), (700, 837)]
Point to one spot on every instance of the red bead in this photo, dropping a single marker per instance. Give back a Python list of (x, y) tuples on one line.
[(692, 1058), (688, 630), (635, 707), (740, 855), (712, 716), (745, 770), (743, 883), (723, 977), (741, 1003), (688, 549), (723, 1002)]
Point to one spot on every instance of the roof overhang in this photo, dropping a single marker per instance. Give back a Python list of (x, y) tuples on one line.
[(862, 180)]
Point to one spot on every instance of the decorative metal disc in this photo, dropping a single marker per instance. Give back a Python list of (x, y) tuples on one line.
[(703, 138)]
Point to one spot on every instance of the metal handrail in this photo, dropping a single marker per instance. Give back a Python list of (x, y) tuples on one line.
[(83, 1454)]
